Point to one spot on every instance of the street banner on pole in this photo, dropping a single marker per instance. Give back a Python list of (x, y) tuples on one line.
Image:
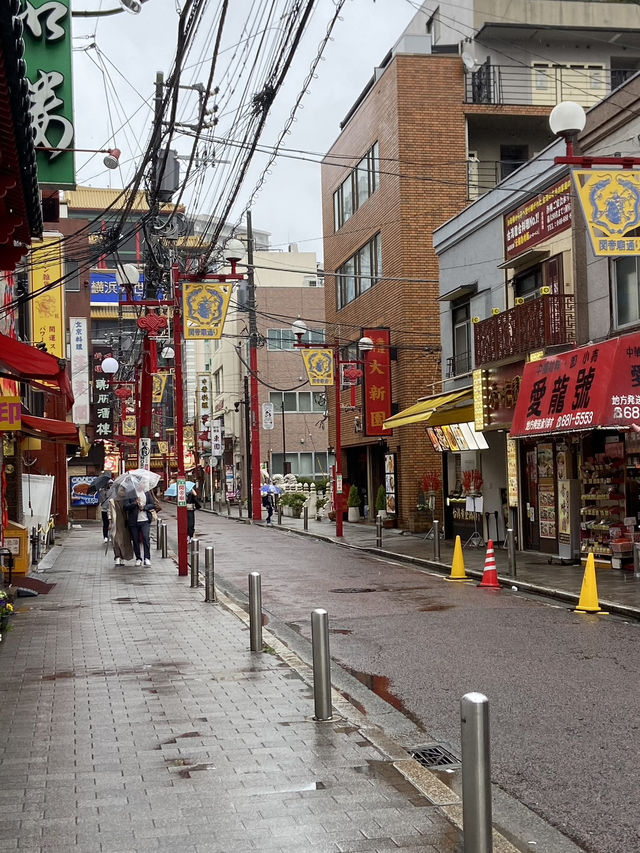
[(204, 308), (610, 200), (267, 416), (319, 366), (159, 384)]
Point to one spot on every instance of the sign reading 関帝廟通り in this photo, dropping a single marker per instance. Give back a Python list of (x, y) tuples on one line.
[(588, 387), (541, 217), (610, 201)]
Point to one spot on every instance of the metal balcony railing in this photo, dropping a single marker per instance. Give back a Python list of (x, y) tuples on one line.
[(544, 322), (542, 84), (458, 364), (483, 175)]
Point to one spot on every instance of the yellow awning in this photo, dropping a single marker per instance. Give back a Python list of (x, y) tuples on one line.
[(443, 409)]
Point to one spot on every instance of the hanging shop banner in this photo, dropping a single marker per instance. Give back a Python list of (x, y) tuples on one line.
[(105, 290), (377, 382), (588, 387), (159, 384), (495, 394), (47, 40), (204, 308), (129, 425), (610, 201), (79, 335), (217, 448), (47, 302), (319, 366), (10, 414), (102, 397), (542, 217)]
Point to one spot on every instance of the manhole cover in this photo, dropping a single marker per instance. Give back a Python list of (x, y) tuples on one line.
[(354, 589), (434, 756)]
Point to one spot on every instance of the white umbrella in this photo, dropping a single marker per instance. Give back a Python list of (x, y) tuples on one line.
[(133, 484)]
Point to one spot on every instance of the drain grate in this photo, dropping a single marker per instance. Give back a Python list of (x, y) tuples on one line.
[(434, 755)]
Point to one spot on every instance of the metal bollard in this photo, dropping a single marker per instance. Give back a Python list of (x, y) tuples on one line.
[(436, 540), (511, 552), (279, 514), (321, 664), (636, 561), (195, 562), (163, 536), (209, 574), (255, 611), (476, 774), (305, 517), (228, 509), (34, 546), (378, 532), (240, 509), (158, 533)]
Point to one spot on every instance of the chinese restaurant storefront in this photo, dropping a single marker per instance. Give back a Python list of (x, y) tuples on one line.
[(578, 420)]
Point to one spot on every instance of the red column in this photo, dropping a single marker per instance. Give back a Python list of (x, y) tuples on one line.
[(339, 520), (256, 504), (183, 567)]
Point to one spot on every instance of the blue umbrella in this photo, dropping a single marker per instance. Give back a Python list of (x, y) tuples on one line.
[(269, 489), (172, 491)]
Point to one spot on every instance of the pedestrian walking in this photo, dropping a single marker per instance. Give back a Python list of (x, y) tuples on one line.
[(119, 532), (192, 505), (269, 504), (103, 500), (139, 515)]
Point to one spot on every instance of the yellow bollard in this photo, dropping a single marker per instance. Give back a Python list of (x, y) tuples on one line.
[(589, 593), (457, 567)]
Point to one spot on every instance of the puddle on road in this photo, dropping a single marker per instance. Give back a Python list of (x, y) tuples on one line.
[(379, 684), (340, 631)]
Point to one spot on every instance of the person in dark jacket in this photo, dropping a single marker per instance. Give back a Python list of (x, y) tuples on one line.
[(138, 513), (268, 503), (192, 505)]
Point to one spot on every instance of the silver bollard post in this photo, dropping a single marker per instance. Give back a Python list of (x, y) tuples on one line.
[(321, 665), (240, 509), (158, 533), (378, 532), (195, 562), (436, 540), (636, 560), (255, 611), (476, 774), (228, 509), (209, 574), (163, 536), (279, 514), (305, 517), (511, 552)]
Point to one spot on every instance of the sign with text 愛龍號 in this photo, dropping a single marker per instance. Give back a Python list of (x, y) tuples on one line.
[(47, 52), (204, 309), (10, 414), (610, 201), (588, 387), (47, 289), (377, 382), (540, 218)]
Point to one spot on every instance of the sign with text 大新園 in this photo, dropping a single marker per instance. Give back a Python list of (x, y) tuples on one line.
[(543, 216), (377, 382), (610, 201), (588, 387), (47, 39)]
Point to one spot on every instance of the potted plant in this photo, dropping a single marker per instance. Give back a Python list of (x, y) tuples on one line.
[(353, 503), (381, 502), (6, 611)]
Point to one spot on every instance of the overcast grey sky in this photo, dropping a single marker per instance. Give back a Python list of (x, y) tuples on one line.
[(112, 83)]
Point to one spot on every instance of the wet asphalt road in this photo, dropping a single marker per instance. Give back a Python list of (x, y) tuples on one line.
[(563, 687)]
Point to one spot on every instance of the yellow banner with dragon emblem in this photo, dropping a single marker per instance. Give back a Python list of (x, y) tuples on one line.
[(319, 365), (204, 308), (610, 200)]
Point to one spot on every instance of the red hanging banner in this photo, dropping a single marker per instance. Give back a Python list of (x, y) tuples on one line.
[(377, 382)]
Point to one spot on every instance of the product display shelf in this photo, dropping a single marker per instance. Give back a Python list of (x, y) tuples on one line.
[(602, 508)]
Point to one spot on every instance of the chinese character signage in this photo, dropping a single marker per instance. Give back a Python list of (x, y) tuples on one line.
[(319, 366), (79, 339), (47, 38), (47, 304), (495, 394), (105, 290), (102, 398), (611, 205), (377, 382), (10, 414), (592, 386), (216, 437), (540, 218), (204, 308)]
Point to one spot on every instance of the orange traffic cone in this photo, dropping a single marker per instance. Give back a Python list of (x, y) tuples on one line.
[(589, 593), (490, 574)]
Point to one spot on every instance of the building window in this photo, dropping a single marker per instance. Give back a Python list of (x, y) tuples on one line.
[(356, 188), (360, 272), (511, 158), (297, 401), (461, 324), (280, 340), (316, 464), (217, 382), (627, 291), (72, 275)]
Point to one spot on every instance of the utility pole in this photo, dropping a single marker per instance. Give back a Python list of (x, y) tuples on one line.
[(253, 367), (247, 439)]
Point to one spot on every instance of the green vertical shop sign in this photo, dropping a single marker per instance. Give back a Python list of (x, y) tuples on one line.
[(47, 38)]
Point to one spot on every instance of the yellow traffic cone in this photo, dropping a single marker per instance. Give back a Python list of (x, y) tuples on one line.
[(457, 567), (589, 593)]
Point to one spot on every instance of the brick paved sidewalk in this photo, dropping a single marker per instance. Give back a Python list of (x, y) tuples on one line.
[(134, 718)]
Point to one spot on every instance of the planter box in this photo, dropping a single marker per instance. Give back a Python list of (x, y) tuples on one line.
[(353, 514)]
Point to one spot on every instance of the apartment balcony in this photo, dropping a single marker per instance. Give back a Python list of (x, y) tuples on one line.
[(549, 321), (459, 364), (542, 84)]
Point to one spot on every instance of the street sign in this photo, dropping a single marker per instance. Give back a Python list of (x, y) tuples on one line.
[(267, 416), (144, 453), (182, 492), (216, 438)]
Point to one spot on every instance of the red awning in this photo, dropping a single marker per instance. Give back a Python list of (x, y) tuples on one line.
[(50, 430), (25, 363), (584, 388)]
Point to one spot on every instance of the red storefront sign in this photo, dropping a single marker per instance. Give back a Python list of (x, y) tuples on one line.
[(540, 218), (592, 386), (377, 382)]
